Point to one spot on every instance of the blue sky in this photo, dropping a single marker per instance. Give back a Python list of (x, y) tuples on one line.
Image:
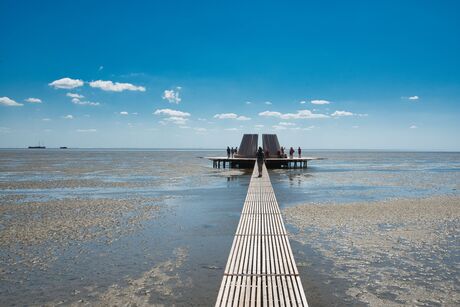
[(320, 74)]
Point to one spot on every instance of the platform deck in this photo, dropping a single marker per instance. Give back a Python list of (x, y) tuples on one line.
[(261, 270), (294, 162)]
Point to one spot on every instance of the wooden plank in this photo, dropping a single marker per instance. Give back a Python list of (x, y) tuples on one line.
[(261, 270)]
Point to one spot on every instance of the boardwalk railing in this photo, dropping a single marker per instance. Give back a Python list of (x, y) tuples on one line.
[(261, 270)]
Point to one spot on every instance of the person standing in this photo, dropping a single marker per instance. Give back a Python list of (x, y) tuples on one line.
[(299, 151), (260, 160), (228, 152), (291, 153), (233, 152), (236, 150)]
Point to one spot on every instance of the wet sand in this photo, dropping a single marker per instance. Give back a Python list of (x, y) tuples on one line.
[(154, 288), (110, 227), (29, 226), (386, 253), (114, 227)]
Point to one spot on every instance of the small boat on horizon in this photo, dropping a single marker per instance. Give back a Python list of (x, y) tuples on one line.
[(39, 146)]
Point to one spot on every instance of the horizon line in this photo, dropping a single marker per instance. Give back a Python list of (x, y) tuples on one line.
[(223, 149)]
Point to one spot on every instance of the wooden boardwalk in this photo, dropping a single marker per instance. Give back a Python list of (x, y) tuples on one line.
[(261, 270)]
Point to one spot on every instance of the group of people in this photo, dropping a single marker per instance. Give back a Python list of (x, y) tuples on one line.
[(282, 154), (231, 152), (261, 155)]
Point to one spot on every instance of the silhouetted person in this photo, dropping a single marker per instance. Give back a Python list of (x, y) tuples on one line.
[(282, 151), (236, 150), (299, 151), (291, 153), (228, 152), (260, 160)]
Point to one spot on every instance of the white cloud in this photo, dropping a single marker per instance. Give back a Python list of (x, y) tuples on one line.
[(231, 129), (278, 127), (123, 113), (270, 114), (46, 119), (115, 87), (302, 114), (169, 112), (303, 102), (413, 98), (177, 120), (320, 101), (286, 124), (342, 113), (85, 103), (68, 117), (355, 127), (231, 116), (75, 95), (413, 127), (242, 117), (175, 117), (33, 100), (268, 103), (200, 129), (6, 101), (248, 102), (172, 96), (86, 130), (66, 83), (101, 68)]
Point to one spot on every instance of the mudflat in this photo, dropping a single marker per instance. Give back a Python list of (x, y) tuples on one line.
[(393, 252)]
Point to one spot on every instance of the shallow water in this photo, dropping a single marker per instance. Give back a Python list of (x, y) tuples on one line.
[(349, 176), (178, 255)]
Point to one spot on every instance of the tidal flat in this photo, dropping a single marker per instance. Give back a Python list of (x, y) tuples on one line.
[(390, 253), (153, 227), (114, 227)]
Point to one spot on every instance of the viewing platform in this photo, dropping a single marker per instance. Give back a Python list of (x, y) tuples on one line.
[(245, 157), (218, 162)]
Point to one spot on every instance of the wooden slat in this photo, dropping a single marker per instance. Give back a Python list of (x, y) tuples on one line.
[(261, 269)]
